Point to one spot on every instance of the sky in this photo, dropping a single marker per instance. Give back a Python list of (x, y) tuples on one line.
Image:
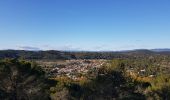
[(91, 25)]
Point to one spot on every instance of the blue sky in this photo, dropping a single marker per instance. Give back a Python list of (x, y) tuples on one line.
[(84, 24)]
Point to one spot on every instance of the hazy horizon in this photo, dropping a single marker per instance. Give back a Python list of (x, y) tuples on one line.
[(126, 50), (84, 25)]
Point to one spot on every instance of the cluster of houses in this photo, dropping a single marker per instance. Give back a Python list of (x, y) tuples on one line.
[(75, 68), (72, 68), (141, 73)]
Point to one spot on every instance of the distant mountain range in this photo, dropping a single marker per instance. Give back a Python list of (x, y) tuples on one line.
[(54, 55), (161, 50)]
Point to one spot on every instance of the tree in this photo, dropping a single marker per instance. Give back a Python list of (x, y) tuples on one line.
[(21, 81)]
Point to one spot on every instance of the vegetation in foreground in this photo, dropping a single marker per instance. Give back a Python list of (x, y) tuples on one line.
[(22, 80)]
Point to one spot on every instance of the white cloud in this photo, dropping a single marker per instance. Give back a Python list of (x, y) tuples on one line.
[(28, 48)]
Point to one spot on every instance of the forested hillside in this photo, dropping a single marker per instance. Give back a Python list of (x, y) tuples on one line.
[(53, 55)]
